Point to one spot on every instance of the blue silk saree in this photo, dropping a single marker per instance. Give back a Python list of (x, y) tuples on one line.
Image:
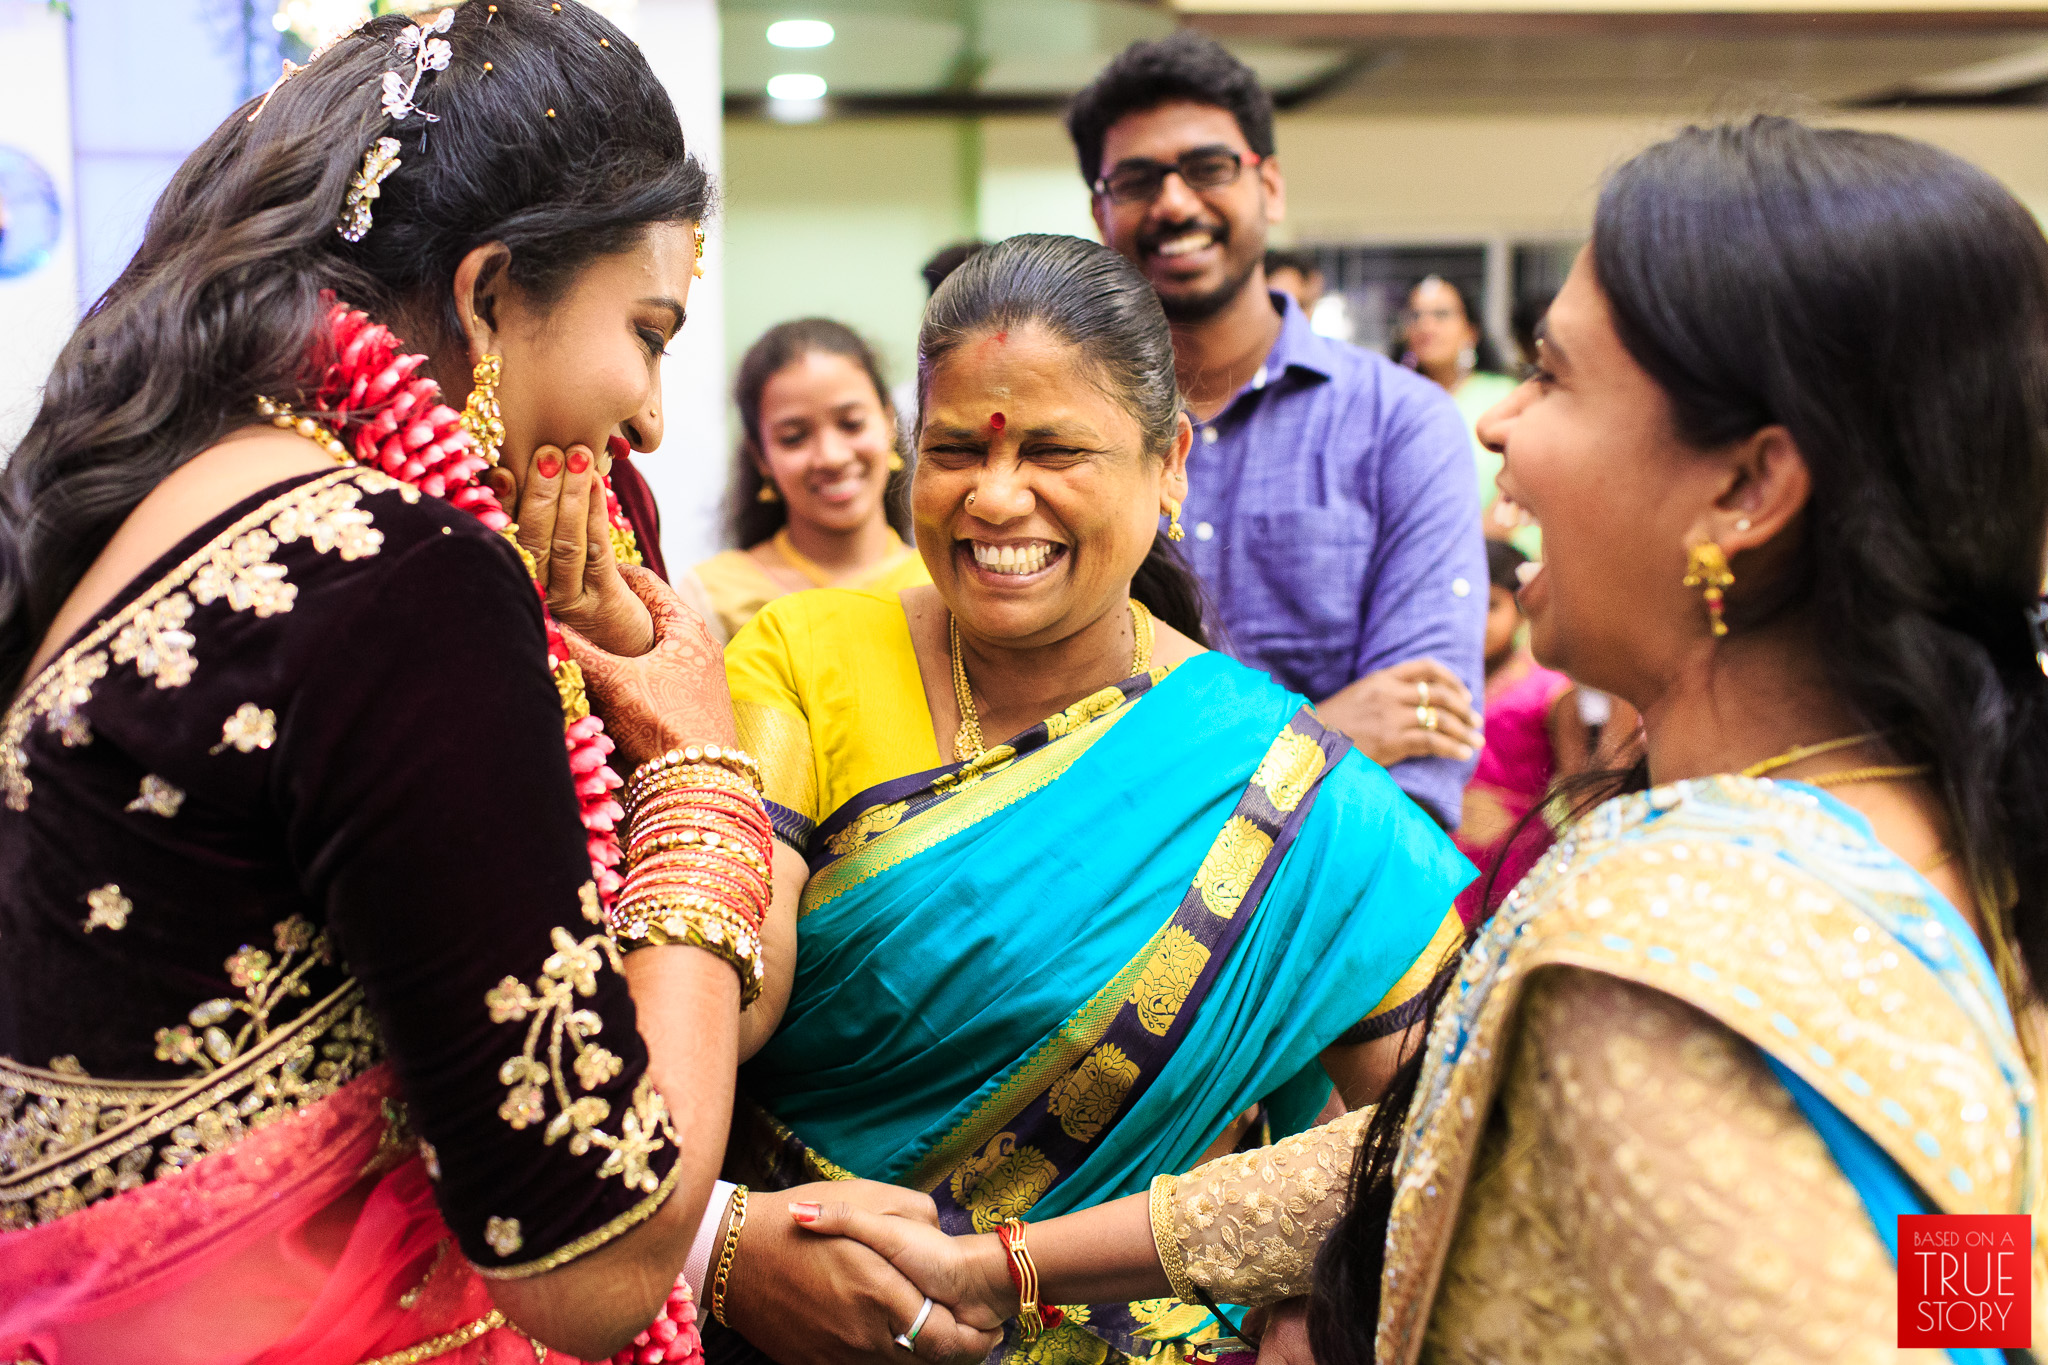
[(1029, 984)]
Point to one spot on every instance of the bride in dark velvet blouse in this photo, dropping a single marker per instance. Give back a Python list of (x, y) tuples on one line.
[(314, 1045)]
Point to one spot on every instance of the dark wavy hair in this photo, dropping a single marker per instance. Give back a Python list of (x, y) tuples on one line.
[(1887, 303), (1183, 66), (553, 137), (748, 520), (1097, 302)]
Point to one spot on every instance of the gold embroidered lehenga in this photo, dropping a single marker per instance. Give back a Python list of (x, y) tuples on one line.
[(306, 1021), (1643, 1094)]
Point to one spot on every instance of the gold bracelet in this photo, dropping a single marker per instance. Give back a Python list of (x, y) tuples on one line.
[(704, 782), (725, 1254), (728, 940), (701, 843), (731, 759)]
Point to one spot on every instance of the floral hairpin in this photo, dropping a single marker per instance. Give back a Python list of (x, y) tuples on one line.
[(379, 162), (428, 53)]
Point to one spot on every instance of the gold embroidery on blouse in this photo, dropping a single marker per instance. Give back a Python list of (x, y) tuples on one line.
[(1002, 1181), (68, 1140), (1245, 1228), (1163, 987), (150, 630), (242, 572), (58, 698), (1232, 862), (108, 908), (1289, 769), (156, 642), (504, 1235), (157, 797), (589, 1241), (266, 984), (1087, 1098), (538, 1074), (252, 727)]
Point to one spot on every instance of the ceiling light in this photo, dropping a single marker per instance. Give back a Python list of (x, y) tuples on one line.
[(796, 86), (800, 33)]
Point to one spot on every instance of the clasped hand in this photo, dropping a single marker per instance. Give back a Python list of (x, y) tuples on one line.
[(836, 1290)]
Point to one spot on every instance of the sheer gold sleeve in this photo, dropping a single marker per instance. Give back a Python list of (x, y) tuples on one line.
[(1245, 1228), (1647, 1190)]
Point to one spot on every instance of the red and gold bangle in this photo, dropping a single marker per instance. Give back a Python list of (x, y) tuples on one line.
[(1032, 1318), (699, 843), (690, 785)]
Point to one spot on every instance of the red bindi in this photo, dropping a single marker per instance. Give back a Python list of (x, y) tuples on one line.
[(995, 421)]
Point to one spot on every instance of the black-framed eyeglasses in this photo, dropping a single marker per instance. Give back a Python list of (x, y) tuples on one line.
[(1139, 180)]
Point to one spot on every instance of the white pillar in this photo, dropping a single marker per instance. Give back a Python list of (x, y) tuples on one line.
[(39, 309), (680, 38)]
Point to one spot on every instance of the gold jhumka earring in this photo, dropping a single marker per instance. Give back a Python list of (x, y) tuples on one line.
[(896, 465), (767, 493), (1173, 531), (1706, 568), (480, 416)]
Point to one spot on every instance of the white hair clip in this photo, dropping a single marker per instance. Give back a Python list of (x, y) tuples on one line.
[(428, 53)]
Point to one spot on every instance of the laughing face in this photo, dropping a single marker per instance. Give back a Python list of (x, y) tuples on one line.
[(1066, 500), (1198, 248), (1593, 455)]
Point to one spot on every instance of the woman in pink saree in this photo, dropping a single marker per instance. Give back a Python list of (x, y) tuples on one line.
[(318, 1038)]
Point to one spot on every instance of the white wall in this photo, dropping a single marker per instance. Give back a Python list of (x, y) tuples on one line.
[(680, 38), (37, 310)]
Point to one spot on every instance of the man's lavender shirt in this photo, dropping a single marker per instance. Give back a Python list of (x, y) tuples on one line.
[(1333, 516)]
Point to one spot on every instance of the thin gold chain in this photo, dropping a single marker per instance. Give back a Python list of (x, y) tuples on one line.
[(1881, 773), (967, 740), (1801, 752), (810, 568)]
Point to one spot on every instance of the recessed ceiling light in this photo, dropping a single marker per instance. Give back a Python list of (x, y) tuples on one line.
[(796, 86), (800, 33)]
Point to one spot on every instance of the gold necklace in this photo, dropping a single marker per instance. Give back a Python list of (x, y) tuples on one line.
[(284, 419), (967, 743), (1881, 772), (811, 568)]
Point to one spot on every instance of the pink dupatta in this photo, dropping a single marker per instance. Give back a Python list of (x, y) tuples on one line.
[(314, 1240)]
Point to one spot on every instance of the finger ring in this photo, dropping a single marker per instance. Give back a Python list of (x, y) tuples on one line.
[(1425, 716), (1422, 691), (908, 1340)]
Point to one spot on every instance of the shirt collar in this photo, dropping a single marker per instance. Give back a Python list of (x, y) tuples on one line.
[(1298, 346)]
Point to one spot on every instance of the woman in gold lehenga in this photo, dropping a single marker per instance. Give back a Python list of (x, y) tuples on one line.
[(1745, 1016)]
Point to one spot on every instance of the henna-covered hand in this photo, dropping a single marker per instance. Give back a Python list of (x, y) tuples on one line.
[(674, 694)]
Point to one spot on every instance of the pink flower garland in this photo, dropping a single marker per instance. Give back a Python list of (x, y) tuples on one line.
[(400, 425)]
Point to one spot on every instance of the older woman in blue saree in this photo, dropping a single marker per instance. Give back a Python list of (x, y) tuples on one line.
[(1035, 976), (1779, 990)]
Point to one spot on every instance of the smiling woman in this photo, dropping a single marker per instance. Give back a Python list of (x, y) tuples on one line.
[(817, 493), (1146, 892)]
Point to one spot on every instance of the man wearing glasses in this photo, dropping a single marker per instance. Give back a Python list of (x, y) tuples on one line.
[(1332, 514)]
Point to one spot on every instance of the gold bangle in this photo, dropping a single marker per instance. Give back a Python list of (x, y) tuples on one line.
[(697, 841), (730, 941), (726, 1252), (722, 756)]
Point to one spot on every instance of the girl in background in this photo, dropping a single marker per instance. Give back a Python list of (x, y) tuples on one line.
[(817, 483)]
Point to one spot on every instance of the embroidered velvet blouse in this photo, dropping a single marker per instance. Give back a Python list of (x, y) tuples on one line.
[(296, 804)]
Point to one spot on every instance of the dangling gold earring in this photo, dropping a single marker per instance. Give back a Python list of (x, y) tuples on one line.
[(767, 493), (1706, 568), (895, 460), (480, 416), (1173, 531)]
